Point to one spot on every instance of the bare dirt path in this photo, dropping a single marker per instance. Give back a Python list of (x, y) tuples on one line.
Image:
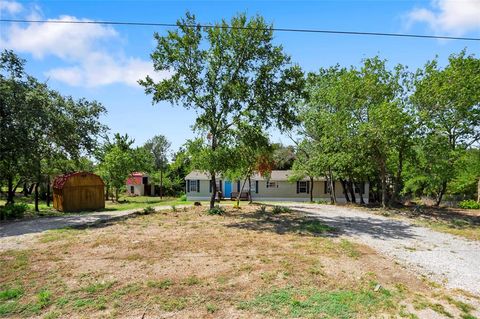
[(444, 258), (17, 234)]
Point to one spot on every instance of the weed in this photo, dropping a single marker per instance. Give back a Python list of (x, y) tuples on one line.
[(148, 210), (192, 281), (163, 284), (211, 308), (469, 204), (262, 209), (217, 210), (52, 315), (183, 198), (315, 226), (11, 293), (174, 208), (280, 210), (98, 286)]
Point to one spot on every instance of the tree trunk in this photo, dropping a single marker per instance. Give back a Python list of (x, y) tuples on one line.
[(30, 189), (333, 198), (116, 194), (311, 189), (397, 185), (360, 193), (48, 190), (214, 190), (25, 189), (107, 190), (10, 193), (36, 197), (441, 193), (345, 190), (478, 191), (383, 177), (250, 190), (351, 188), (161, 184), (241, 190)]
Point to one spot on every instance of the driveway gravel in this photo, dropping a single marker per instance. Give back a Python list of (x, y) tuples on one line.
[(444, 258)]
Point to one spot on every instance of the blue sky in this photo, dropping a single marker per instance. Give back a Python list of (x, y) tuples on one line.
[(104, 62)]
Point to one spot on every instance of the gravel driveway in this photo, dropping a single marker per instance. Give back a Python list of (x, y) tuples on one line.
[(442, 257)]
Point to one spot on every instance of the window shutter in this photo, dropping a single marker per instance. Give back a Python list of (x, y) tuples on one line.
[(188, 185), (298, 187), (308, 187), (256, 187), (266, 184), (325, 187), (220, 184), (238, 186), (198, 186)]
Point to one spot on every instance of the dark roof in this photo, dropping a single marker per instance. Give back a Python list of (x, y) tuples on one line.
[(59, 181)]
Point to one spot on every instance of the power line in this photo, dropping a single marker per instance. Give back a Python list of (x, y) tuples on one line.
[(126, 23)]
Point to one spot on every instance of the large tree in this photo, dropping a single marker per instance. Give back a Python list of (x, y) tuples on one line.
[(230, 72), (159, 147), (447, 101)]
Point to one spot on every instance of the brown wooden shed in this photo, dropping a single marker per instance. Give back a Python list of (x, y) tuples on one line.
[(78, 191)]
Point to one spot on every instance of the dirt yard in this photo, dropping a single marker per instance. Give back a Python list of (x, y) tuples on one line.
[(247, 263)]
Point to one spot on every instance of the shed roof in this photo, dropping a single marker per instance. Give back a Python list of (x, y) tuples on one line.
[(275, 175), (60, 181)]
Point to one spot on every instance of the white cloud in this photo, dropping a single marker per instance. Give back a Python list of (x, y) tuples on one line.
[(449, 16), (11, 7), (90, 51)]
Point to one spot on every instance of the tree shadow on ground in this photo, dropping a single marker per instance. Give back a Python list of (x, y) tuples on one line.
[(303, 223), (454, 217)]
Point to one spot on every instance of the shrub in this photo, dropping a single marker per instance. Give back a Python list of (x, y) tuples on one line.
[(280, 209), (183, 198), (217, 210), (174, 208), (148, 210), (263, 209), (469, 204), (13, 211)]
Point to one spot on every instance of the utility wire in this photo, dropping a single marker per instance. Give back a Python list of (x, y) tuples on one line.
[(125, 23)]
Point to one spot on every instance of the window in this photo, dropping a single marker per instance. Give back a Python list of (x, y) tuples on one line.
[(254, 187), (193, 186), (144, 180), (271, 184), (303, 187)]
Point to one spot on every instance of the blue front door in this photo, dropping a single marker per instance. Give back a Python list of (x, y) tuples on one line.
[(228, 189)]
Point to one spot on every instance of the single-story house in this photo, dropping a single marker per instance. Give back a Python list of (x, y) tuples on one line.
[(277, 188), (138, 184)]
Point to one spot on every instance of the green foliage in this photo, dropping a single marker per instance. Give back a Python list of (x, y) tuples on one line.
[(163, 284), (183, 198), (217, 210), (316, 227), (469, 204), (229, 76), (13, 211), (10, 293)]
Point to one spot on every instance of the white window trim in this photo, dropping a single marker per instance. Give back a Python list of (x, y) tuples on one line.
[(305, 186)]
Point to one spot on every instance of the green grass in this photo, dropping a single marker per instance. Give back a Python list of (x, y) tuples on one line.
[(314, 303), (316, 227)]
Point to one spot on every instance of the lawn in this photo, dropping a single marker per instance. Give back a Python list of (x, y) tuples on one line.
[(185, 263)]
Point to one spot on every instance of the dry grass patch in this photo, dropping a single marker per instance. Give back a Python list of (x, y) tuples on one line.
[(244, 263)]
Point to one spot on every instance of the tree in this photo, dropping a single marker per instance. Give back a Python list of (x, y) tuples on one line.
[(447, 102), (229, 73), (159, 146), (283, 156), (38, 126), (120, 161)]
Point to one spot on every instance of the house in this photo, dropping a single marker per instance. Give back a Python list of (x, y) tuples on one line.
[(79, 191), (276, 188), (138, 184)]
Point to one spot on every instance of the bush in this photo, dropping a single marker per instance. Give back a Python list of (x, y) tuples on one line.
[(183, 198), (217, 210), (280, 209), (13, 211), (469, 204), (148, 210)]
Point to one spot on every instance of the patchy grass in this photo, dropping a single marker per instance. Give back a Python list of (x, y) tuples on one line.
[(245, 263), (312, 302)]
